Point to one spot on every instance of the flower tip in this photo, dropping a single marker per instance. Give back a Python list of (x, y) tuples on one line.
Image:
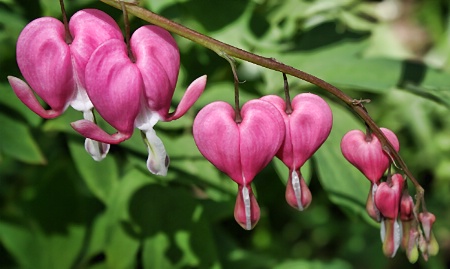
[(26, 95), (193, 92), (246, 210), (90, 130), (298, 194), (97, 150)]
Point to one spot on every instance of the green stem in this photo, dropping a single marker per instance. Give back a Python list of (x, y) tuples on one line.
[(222, 48)]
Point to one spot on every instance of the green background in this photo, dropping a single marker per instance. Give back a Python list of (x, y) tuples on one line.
[(60, 209)]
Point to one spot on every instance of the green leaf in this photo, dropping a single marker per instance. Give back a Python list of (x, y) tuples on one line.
[(100, 177), (343, 183), (34, 249), (10, 100), (177, 235), (16, 141)]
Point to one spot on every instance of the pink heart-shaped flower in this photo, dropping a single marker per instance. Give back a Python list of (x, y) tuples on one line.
[(307, 127), (242, 149), (367, 154), (387, 196)]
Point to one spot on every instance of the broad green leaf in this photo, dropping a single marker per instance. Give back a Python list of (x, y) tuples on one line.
[(343, 64), (34, 249), (154, 249), (177, 235), (16, 141), (100, 177), (121, 248), (343, 183)]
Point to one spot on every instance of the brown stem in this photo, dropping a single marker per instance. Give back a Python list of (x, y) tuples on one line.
[(270, 63), (126, 22), (237, 108), (68, 37), (287, 96)]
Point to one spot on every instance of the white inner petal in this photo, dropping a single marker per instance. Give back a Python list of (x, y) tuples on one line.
[(377, 212), (382, 230), (248, 210), (157, 161), (398, 233), (297, 189)]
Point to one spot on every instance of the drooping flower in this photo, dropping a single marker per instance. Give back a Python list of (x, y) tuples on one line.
[(410, 233), (307, 128), (427, 243), (240, 150), (387, 200), (366, 154), (53, 64), (138, 93)]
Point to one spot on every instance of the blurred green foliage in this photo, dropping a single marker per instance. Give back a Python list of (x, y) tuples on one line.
[(60, 209)]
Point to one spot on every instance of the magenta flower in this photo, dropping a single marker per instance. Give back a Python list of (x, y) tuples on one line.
[(307, 127), (387, 200), (366, 153), (53, 63), (138, 93), (240, 150)]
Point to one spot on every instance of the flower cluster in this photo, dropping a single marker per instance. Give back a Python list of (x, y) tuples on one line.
[(242, 149), (388, 201), (88, 65)]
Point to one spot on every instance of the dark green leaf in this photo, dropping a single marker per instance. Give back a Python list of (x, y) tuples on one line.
[(16, 141)]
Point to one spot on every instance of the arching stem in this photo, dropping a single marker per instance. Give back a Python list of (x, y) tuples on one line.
[(222, 48)]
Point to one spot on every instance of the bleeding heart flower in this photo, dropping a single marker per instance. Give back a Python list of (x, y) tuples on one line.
[(387, 200), (54, 68), (138, 93), (307, 128), (240, 150), (366, 153)]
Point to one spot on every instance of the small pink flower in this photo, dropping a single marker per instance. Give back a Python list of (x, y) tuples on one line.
[(55, 69), (137, 94), (387, 200), (307, 128), (366, 153), (240, 150)]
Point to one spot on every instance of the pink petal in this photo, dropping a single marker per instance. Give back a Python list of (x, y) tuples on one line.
[(157, 57), (114, 85), (261, 134), (217, 137), (191, 95), (90, 130), (310, 125), (45, 62), (89, 29), (307, 127), (240, 150), (26, 95), (367, 156), (387, 197)]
